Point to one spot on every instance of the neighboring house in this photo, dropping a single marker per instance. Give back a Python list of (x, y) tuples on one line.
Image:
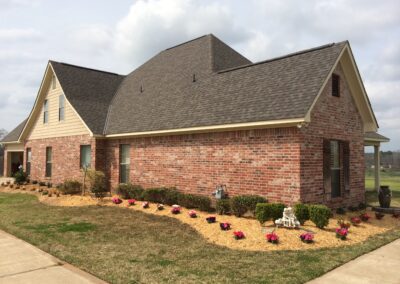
[(198, 115)]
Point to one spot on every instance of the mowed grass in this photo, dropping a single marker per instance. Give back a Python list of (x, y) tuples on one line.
[(388, 177), (126, 246)]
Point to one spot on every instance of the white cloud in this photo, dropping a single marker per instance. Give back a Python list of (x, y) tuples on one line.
[(19, 34)]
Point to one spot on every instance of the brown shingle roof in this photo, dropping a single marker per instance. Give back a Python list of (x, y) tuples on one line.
[(13, 136), (375, 137), (89, 91), (281, 88)]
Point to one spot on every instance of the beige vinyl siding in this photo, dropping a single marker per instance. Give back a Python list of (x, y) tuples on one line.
[(71, 125), (14, 147)]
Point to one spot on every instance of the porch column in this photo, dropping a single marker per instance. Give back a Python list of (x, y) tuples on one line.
[(377, 160)]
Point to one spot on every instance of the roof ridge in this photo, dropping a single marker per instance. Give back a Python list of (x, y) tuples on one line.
[(86, 68), (172, 47), (283, 56)]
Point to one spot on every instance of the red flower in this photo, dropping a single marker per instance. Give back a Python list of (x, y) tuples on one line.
[(365, 217), (238, 235), (355, 221), (272, 238)]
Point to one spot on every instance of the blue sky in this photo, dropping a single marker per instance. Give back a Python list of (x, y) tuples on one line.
[(120, 35)]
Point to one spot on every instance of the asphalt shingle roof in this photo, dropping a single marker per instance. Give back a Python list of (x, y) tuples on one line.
[(375, 136), (161, 94), (89, 91), (13, 136)]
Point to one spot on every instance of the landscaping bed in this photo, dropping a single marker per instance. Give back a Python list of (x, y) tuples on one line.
[(255, 234)]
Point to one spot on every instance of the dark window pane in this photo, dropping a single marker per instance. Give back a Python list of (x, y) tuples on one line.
[(335, 85), (48, 161), (124, 160), (335, 174), (85, 156)]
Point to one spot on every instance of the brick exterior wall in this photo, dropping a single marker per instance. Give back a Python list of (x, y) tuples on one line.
[(264, 162), (333, 118), (65, 160)]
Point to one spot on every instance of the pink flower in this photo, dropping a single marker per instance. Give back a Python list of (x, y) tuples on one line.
[(116, 200), (145, 204), (341, 233), (176, 209), (225, 226), (272, 238), (192, 214), (238, 235), (307, 237), (131, 201)]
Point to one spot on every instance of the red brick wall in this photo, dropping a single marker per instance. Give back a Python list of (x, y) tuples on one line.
[(264, 162), (335, 118), (66, 157)]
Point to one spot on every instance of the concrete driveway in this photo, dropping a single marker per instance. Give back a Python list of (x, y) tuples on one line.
[(21, 262), (379, 266)]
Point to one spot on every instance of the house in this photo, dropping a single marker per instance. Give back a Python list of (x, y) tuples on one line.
[(198, 115)]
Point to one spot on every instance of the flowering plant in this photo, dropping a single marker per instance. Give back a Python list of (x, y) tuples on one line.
[(192, 214), (131, 202), (211, 219), (355, 221), (379, 215), (343, 224), (176, 209), (272, 238), (307, 237), (145, 204), (225, 226), (365, 217), (341, 233), (160, 206), (238, 235), (116, 200)]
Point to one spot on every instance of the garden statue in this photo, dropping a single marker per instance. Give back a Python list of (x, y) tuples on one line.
[(288, 219)]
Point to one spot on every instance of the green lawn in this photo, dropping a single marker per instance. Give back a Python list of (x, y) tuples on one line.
[(126, 246), (388, 177)]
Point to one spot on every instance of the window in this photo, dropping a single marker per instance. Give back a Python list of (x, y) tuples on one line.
[(335, 85), (53, 82), (85, 156), (28, 161), (61, 103), (48, 161), (125, 160), (336, 167), (46, 111)]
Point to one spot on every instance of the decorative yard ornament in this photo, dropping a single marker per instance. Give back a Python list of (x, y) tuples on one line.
[(288, 219), (220, 191)]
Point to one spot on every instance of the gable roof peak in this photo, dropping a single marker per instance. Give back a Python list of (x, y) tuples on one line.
[(82, 67)]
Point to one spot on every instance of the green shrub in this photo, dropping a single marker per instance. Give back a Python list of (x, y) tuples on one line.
[(240, 204), (70, 187), (97, 182), (156, 195), (319, 215), (171, 196), (302, 212), (269, 211), (223, 206), (20, 177), (195, 201), (130, 191)]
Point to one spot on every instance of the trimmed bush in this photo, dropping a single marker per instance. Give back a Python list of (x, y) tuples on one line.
[(97, 183), (70, 187), (240, 204), (130, 191), (195, 201), (223, 206), (171, 196), (269, 211), (20, 177), (319, 215), (302, 212), (155, 195)]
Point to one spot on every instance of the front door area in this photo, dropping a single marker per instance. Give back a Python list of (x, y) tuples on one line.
[(14, 160)]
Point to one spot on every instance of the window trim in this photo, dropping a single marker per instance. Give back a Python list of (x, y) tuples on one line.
[(335, 85), (61, 107), (46, 111), (49, 162), (81, 166), (124, 164)]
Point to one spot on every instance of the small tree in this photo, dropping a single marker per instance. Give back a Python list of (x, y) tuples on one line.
[(97, 182)]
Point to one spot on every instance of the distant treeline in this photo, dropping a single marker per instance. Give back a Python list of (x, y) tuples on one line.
[(389, 159)]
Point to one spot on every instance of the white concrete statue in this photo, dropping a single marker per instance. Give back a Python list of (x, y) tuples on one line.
[(288, 219)]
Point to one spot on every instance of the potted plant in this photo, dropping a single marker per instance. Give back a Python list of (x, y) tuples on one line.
[(238, 235), (343, 224), (160, 206), (145, 205), (192, 214), (307, 238), (272, 238), (225, 226), (384, 196), (211, 219), (341, 233)]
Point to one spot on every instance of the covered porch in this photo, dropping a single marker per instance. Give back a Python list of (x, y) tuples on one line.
[(374, 139), (13, 158)]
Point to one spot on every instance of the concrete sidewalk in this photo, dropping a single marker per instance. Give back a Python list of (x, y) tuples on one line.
[(379, 266), (21, 262)]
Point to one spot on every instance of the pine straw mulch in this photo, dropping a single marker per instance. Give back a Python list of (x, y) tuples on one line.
[(254, 232)]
